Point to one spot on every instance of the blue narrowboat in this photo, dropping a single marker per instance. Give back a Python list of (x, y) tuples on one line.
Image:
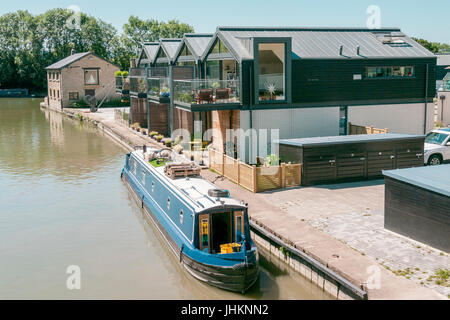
[(206, 229)]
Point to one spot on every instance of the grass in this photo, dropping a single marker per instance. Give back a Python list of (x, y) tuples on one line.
[(157, 163)]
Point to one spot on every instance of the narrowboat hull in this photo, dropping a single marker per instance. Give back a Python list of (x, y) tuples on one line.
[(239, 277)]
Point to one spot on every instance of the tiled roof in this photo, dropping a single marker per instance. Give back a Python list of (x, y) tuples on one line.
[(67, 61)]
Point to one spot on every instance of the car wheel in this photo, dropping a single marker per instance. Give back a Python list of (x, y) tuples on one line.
[(434, 160)]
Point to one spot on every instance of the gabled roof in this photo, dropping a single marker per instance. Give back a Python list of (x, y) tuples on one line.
[(325, 43), (67, 61), (150, 49), (170, 47), (196, 42)]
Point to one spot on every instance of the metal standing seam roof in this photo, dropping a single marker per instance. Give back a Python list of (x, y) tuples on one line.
[(321, 141), (197, 43), (67, 61), (170, 47), (151, 49), (443, 59), (326, 42), (433, 178)]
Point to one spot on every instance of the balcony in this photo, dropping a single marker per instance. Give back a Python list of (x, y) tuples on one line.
[(122, 85), (138, 87), (159, 89), (211, 94)]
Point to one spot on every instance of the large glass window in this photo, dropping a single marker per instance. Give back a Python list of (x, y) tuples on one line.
[(389, 72), (219, 47), (271, 71), (213, 69), (90, 76)]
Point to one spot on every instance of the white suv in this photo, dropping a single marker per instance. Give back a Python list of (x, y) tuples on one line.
[(437, 146)]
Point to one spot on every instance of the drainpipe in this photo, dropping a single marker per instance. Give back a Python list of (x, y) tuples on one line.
[(147, 69), (171, 104), (250, 114), (426, 100)]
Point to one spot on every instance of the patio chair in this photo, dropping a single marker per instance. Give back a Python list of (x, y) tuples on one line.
[(204, 95), (223, 93)]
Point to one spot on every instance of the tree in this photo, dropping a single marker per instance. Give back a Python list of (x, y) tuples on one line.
[(434, 47), (30, 43)]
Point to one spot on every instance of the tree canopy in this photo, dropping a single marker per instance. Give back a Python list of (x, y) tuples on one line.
[(434, 47), (29, 43)]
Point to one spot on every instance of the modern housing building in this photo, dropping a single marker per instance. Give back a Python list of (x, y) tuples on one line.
[(303, 82), (442, 69), (79, 75)]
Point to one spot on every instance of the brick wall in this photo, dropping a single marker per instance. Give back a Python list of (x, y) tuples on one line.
[(72, 79)]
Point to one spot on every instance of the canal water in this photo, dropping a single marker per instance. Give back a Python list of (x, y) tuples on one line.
[(62, 204)]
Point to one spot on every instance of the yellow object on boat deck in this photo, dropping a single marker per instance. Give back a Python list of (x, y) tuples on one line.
[(230, 248)]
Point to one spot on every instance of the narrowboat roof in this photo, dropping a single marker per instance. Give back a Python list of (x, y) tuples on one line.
[(193, 190), (322, 43), (432, 178), (359, 138)]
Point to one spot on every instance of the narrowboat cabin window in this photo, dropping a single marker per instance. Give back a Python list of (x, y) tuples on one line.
[(204, 235), (271, 71), (143, 178), (390, 72), (239, 225)]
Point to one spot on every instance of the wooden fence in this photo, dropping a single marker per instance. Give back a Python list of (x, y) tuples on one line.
[(355, 129), (255, 179)]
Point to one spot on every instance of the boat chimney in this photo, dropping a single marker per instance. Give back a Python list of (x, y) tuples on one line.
[(72, 51), (358, 49), (144, 148), (341, 49)]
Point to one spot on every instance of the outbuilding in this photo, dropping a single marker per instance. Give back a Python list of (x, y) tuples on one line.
[(353, 157), (417, 204)]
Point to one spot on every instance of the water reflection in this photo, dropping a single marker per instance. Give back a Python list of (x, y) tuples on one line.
[(62, 203)]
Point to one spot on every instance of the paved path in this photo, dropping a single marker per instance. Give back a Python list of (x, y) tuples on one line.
[(299, 213)]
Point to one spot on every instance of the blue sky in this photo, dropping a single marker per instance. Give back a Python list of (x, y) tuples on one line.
[(425, 19)]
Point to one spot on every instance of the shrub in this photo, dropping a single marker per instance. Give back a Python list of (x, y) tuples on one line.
[(135, 126), (167, 142), (121, 73)]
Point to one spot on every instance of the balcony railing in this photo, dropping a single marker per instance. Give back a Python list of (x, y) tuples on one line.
[(138, 87), (159, 88), (209, 91), (122, 85)]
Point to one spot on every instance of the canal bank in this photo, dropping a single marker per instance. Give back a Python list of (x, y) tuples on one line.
[(333, 266)]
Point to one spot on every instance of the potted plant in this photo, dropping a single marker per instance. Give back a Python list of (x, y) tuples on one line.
[(159, 137), (167, 142), (152, 134), (165, 92)]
